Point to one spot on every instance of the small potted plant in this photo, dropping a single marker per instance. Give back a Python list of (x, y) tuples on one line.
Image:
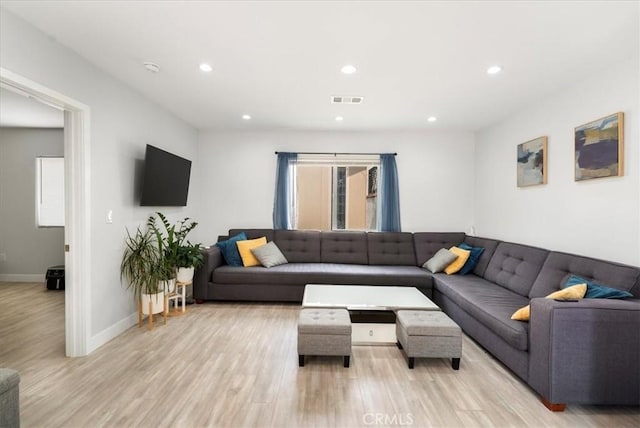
[(188, 257), (180, 255), (140, 268)]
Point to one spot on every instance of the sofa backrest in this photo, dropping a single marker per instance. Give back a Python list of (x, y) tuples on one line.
[(515, 266), (254, 233), (427, 244), (559, 266), (391, 248), (299, 246), (344, 247), (489, 246)]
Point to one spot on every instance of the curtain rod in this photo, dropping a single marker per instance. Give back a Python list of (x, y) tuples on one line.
[(335, 154)]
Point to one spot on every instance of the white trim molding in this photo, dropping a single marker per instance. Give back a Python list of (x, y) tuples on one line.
[(77, 208)]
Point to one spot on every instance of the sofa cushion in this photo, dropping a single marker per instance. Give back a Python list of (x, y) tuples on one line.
[(596, 291), (269, 255), (456, 265), (245, 247), (391, 248), (574, 292), (560, 266), (427, 244), (325, 273), (488, 303), (229, 249), (472, 261), (516, 266), (489, 246), (344, 247), (299, 246), (440, 260)]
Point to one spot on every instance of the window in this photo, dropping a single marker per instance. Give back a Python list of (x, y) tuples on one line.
[(333, 192), (49, 192)]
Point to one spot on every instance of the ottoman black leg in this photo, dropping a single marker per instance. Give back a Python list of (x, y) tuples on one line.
[(455, 363), (399, 345), (411, 359), (301, 360), (346, 360)]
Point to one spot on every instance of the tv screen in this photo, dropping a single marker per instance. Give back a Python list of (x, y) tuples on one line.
[(166, 179)]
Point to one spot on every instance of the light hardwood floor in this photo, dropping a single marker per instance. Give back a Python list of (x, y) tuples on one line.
[(235, 365)]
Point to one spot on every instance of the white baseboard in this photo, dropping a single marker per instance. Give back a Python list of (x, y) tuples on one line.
[(18, 277), (112, 332)]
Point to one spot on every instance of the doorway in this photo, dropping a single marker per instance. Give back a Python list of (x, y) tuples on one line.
[(77, 208)]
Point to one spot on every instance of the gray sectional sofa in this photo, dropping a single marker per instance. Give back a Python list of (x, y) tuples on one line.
[(584, 352)]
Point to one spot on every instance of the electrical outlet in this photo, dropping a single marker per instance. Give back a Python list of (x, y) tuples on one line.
[(3, 257)]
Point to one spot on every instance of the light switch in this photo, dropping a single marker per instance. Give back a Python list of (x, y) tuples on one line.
[(110, 217)]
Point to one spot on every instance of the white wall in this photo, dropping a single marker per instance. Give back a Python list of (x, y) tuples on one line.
[(435, 174), (29, 249), (598, 218), (122, 122)]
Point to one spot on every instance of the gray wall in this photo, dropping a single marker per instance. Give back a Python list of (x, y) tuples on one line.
[(29, 250)]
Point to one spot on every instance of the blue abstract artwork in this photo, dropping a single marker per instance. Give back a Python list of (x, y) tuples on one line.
[(532, 162), (599, 148)]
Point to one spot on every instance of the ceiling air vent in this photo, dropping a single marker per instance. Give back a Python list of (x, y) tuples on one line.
[(346, 100)]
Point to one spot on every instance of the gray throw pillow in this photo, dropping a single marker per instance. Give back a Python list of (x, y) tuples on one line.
[(269, 255), (439, 261)]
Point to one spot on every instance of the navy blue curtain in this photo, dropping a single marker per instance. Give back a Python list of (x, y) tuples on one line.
[(388, 196), (284, 200)]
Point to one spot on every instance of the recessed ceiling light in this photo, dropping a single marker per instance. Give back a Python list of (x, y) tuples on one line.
[(246, 117), (152, 67), (206, 67), (339, 118), (432, 119), (494, 69), (348, 69)]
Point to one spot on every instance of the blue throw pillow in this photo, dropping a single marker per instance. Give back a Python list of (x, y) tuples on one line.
[(597, 291), (472, 261), (229, 249)]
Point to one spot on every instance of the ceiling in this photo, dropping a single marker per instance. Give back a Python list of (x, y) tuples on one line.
[(280, 61)]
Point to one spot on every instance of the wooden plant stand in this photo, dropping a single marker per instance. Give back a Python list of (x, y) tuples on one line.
[(150, 317), (179, 293)]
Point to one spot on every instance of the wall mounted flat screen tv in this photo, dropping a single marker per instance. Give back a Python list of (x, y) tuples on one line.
[(166, 179)]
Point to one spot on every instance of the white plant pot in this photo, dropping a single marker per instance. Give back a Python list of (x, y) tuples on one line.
[(157, 303), (168, 286), (185, 274)]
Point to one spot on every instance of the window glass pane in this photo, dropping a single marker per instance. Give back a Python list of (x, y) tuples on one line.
[(336, 195), (50, 191)]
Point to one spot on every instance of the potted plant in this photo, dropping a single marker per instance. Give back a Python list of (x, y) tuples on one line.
[(181, 257), (188, 257), (165, 239), (140, 268)]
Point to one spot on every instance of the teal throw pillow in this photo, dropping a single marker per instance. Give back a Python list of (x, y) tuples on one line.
[(597, 291), (229, 249), (472, 261)]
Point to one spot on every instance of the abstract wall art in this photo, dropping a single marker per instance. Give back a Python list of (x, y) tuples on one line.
[(532, 162), (599, 148)]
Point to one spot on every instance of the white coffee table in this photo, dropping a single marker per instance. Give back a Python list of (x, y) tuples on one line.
[(372, 308)]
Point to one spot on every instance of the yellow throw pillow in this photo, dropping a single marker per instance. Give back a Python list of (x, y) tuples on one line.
[(244, 248), (574, 292), (456, 265)]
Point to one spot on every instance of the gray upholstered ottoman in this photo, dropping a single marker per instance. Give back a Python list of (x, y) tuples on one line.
[(429, 334), (9, 398), (324, 332)]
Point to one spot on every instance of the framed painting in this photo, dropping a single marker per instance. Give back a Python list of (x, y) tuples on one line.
[(532, 162), (599, 148)]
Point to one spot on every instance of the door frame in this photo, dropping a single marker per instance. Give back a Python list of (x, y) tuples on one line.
[(77, 207)]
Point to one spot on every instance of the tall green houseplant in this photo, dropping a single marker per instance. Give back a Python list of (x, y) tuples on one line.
[(140, 261)]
